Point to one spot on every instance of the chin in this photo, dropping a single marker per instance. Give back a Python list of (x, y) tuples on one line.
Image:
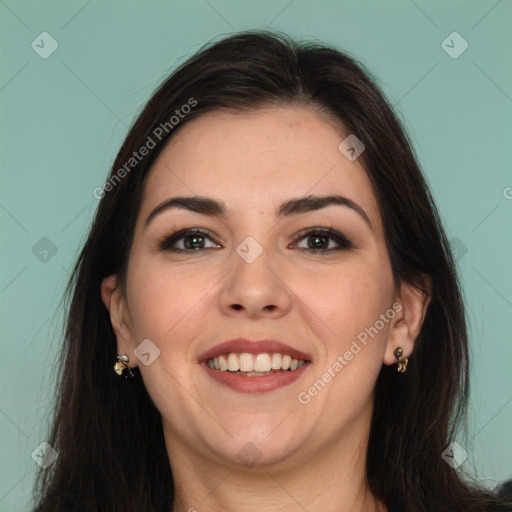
[(255, 449)]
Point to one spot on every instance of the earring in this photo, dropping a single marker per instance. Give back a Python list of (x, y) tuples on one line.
[(401, 359), (122, 369)]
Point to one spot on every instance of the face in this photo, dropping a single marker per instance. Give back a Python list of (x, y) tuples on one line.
[(317, 280)]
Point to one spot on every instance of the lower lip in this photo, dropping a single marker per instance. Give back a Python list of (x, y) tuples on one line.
[(260, 384)]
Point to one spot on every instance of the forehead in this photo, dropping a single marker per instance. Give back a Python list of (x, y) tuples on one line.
[(256, 160)]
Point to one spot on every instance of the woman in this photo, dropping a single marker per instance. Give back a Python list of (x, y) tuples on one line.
[(268, 270)]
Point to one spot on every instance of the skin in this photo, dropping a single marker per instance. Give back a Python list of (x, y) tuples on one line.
[(312, 455)]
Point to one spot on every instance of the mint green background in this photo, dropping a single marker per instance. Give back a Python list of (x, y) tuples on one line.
[(64, 118)]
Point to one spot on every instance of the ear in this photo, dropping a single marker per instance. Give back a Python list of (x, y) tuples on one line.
[(410, 305), (115, 302)]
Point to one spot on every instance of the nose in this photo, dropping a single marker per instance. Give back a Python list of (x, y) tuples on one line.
[(257, 289)]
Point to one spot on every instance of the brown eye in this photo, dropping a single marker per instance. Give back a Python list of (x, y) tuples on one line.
[(319, 240), (186, 240)]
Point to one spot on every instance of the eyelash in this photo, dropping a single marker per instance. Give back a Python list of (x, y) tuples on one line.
[(166, 241)]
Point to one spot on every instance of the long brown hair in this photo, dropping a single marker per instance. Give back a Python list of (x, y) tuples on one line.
[(108, 432)]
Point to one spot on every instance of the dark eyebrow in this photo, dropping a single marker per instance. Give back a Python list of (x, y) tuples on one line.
[(203, 205), (312, 203), (214, 208)]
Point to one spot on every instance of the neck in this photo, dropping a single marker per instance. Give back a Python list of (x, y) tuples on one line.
[(333, 479)]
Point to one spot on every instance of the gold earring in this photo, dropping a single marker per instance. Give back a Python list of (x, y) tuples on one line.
[(122, 369), (401, 359)]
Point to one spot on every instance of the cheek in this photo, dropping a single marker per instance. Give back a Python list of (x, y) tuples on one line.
[(165, 301), (350, 300)]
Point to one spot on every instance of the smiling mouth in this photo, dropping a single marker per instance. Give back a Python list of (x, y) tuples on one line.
[(254, 365)]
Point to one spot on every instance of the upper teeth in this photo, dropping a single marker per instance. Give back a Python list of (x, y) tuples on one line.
[(245, 362)]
